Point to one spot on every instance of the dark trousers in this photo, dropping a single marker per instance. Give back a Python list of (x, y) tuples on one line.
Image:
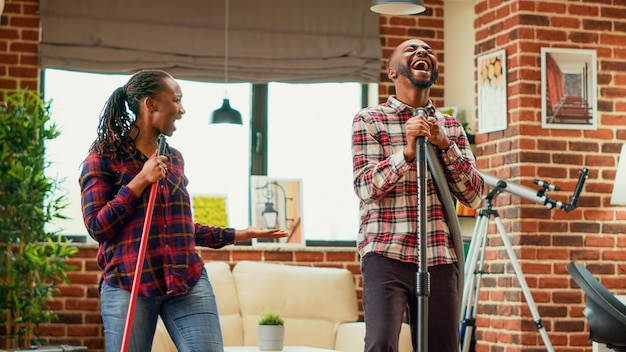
[(389, 288)]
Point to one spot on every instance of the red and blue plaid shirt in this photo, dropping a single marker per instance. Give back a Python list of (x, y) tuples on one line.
[(387, 185), (114, 216)]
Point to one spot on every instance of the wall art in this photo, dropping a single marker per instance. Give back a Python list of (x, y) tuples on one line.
[(568, 89), (492, 92)]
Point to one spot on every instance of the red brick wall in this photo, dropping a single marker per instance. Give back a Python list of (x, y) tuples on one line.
[(19, 46), (544, 240)]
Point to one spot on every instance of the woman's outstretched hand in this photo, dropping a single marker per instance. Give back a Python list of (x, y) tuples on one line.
[(258, 232)]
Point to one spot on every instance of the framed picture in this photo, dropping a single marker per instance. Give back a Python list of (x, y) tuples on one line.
[(209, 209), (568, 89), (277, 203), (492, 92)]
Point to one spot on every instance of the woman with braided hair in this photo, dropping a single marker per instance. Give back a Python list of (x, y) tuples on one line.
[(115, 183)]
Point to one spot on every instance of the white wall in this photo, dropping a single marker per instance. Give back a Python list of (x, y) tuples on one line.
[(460, 64)]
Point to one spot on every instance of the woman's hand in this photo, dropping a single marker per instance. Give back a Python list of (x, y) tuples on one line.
[(258, 232), (154, 170)]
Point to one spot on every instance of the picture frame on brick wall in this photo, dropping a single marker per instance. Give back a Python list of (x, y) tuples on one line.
[(492, 92), (279, 201), (569, 89)]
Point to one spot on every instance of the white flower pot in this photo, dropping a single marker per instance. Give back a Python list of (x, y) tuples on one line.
[(271, 337)]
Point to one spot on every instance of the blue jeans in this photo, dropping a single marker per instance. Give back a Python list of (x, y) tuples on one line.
[(191, 319)]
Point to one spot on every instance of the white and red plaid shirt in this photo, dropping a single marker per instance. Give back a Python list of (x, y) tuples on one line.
[(387, 185)]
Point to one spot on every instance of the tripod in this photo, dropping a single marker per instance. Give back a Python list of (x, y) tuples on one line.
[(473, 275)]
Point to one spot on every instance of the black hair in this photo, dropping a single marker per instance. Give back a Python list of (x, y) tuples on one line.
[(116, 121)]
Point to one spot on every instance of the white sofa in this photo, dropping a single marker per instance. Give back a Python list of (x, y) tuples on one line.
[(319, 306)]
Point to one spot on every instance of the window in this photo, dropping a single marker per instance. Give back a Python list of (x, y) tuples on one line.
[(309, 138), (309, 127)]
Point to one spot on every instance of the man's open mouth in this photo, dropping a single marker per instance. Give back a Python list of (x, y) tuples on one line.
[(420, 65)]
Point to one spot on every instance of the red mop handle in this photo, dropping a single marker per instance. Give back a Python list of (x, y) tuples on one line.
[(141, 256)]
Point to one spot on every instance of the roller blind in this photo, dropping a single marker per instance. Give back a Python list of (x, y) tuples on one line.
[(268, 40)]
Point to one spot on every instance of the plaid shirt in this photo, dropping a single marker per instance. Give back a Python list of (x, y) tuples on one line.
[(114, 216), (387, 185)]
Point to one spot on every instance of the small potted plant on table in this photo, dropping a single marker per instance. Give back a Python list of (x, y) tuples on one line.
[(271, 332)]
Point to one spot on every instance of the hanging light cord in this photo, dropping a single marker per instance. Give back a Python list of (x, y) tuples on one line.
[(226, 50)]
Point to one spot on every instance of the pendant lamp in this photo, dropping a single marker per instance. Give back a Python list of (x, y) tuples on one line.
[(226, 114), (398, 7), (270, 215)]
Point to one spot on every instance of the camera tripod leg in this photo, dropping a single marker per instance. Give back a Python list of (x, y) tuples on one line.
[(522, 281), (473, 276)]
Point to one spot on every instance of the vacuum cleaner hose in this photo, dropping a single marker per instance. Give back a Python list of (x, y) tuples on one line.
[(449, 210)]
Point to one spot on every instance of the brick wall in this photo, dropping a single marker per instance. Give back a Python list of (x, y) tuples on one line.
[(19, 45), (544, 241)]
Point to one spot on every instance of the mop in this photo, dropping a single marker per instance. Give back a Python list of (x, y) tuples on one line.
[(142, 254)]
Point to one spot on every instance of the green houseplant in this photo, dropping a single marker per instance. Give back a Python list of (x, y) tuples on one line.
[(271, 331), (471, 136), (32, 259)]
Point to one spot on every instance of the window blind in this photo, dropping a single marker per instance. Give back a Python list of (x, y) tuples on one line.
[(299, 41)]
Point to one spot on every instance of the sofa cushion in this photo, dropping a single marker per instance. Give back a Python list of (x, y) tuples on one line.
[(221, 279), (313, 301)]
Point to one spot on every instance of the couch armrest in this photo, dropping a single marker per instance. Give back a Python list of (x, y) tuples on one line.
[(350, 338)]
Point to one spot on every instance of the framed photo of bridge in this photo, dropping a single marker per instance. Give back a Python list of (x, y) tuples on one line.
[(569, 89)]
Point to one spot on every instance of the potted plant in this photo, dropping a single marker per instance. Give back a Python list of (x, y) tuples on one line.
[(271, 332), (471, 136), (32, 259)]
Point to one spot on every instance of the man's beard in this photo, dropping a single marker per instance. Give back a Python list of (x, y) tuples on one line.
[(418, 83)]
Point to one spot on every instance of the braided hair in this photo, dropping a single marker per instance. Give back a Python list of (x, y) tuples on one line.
[(121, 109)]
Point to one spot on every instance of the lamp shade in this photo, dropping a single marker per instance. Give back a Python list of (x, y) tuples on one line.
[(398, 7), (226, 114)]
